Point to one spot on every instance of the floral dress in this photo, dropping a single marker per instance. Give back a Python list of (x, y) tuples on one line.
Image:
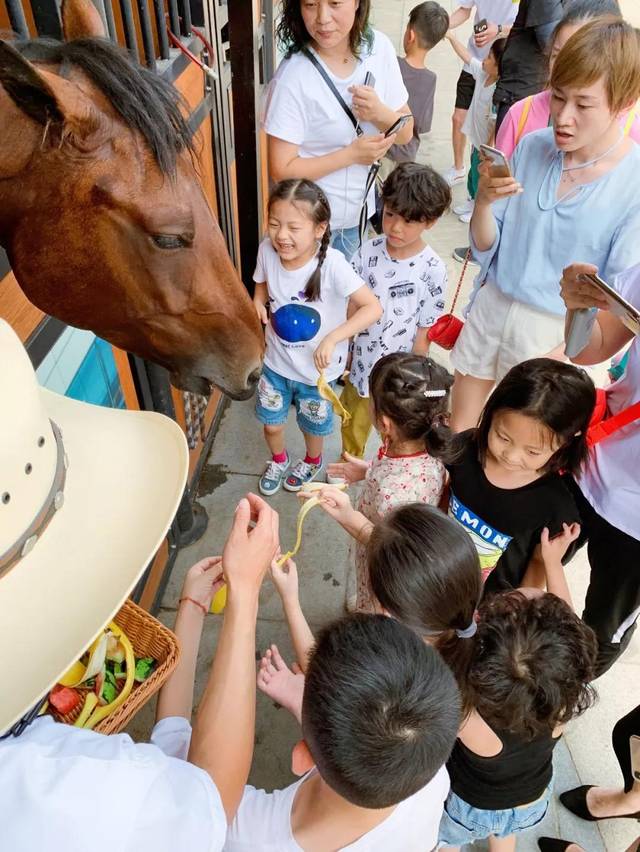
[(392, 481)]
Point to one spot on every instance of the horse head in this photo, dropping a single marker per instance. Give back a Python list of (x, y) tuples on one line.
[(103, 215)]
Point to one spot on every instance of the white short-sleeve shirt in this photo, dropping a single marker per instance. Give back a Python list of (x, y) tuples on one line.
[(412, 294), (478, 122), (302, 110), (496, 12), (297, 327), (263, 822), (611, 479), (65, 789)]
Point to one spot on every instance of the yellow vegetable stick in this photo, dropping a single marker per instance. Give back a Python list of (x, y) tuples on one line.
[(327, 392), (74, 676), (90, 703), (219, 600), (302, 514), (130, 661)]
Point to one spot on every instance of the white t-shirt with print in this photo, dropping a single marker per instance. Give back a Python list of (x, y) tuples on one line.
[(611, 479), (412, 295), (263, 822), (302, 110), (496, 12), (478, 121), (296, 327)]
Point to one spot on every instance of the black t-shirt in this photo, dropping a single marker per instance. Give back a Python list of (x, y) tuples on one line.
[(505, 524), (524, 63)]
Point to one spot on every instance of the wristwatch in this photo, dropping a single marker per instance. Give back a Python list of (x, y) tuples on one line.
[(499, 29)]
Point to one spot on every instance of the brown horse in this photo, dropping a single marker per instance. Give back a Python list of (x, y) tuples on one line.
[(102, 214)]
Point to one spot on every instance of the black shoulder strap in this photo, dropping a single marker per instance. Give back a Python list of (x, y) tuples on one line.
[(333, 89)]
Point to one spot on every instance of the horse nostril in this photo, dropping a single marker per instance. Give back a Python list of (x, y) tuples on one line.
[(252, 378)]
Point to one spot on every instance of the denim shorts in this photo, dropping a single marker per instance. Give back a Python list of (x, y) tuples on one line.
[(314, 414), (462, 823), (346, 240)]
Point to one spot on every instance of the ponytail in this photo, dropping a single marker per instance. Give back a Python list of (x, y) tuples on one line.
[(312, 290)]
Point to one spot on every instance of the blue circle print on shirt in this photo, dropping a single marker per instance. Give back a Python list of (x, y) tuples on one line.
[(295, 323)]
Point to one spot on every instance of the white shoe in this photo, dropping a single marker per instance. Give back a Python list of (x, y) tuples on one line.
[(466, 217), (454, 176), (465, 207)]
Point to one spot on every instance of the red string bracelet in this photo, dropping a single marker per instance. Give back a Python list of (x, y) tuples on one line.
[(197, 603)]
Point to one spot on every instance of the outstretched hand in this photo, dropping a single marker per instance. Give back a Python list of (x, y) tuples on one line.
[(333, 500), (352, 469), (285, 579), (282, 684), (251, 545)]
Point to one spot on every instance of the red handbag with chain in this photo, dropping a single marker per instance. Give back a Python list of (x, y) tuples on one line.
[(446, 330)]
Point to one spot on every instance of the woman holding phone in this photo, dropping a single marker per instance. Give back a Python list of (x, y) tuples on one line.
[(572, 194), (332, 53)]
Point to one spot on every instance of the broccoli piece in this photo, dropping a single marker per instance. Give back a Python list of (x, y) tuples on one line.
[(144, 667)]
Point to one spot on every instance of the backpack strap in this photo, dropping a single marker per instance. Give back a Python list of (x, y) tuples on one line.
[(630, 119), (524, 115), (331, 85), (607, 427)]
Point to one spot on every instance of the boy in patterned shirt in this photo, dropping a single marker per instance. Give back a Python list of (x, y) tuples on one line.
[(409, 280)]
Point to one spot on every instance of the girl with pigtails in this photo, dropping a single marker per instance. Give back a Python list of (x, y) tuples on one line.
[(308, 288)]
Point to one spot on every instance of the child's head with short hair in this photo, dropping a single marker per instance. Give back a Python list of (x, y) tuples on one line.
[(491, 64), (424, 571), (429, 23), (533, 661), (416, 193), (381, 710), (412, 392), (605, 49), (537, 418)]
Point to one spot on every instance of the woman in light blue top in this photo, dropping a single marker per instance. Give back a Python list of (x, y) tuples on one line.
[(573, 197)]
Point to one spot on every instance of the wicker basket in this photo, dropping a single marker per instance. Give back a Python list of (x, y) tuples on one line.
[(149, 638)]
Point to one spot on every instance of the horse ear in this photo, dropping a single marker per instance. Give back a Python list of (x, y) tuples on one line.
[(26, 87), (49, 99), (81, 19)]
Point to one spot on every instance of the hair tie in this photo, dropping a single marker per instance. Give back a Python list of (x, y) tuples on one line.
[(430, 393), (469, 631)]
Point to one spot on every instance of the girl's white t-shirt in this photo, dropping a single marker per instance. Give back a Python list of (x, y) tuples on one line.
[(302, 110), (478, 122), (611, 478), (263, 821), (297, 327)]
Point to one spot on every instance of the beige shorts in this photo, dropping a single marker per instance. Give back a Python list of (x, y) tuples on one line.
[(500, 333)]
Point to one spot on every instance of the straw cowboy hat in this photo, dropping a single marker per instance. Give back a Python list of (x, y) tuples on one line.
[(86, 497)]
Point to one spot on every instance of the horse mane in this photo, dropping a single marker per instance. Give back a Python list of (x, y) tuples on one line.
[(143, 99)]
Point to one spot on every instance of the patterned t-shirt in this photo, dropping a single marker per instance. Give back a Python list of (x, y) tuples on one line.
[(412, 295)]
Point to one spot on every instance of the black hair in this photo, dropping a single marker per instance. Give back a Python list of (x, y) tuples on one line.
[(581, 11), (380, 712), (533, 661), (413, 391), (560, 396), (292, 34), (497, 49), (417, 193), (424, 570), (144, 100), (301, 190), (430, 22)]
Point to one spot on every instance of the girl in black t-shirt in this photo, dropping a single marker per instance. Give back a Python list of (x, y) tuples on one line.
[(505, 484)]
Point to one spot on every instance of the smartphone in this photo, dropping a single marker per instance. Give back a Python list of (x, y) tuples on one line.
[(499, 163), (397, 125), (578, 335), (369, 80), (481, 26), (634, 748), (618, 306)]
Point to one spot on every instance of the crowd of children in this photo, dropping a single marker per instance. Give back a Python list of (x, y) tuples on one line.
[(461, 649)]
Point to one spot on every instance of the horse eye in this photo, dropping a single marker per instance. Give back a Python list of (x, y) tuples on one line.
[(170, 241)]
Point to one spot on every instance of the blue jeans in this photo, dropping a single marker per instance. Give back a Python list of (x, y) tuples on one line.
[(346, 240), (314, 414), (461, 823)]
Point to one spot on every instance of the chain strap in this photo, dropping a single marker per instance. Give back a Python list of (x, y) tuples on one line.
[(460, 280)]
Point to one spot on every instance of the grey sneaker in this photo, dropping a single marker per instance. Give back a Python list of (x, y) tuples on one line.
[(271, 479), (460, 254), (301, 473)]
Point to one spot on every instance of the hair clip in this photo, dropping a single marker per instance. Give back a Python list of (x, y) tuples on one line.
[(430, 393), (469, 631)]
